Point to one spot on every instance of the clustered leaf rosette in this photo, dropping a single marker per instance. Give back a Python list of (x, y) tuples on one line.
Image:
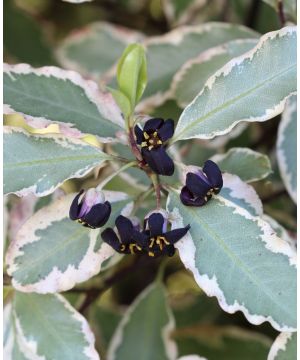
[(152, 139), (90, 208), (154, 240), (202, 184)]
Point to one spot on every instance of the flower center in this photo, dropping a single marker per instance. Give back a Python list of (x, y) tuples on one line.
[(152, 140), (159, 240)]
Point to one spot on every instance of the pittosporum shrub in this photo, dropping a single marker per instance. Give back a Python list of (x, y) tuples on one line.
[(148, 198)]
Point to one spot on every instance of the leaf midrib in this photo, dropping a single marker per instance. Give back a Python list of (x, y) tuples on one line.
[(73, 237), (52, 161), (227, 103), (236, 260)]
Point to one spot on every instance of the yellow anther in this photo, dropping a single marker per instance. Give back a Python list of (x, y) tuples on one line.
[(159, 142), (150, 147), (205, 198), (151, 141), (122, 248), (144, 144), (155, 134), (146, 136), (150, 253), (131, 248), (151, 242)]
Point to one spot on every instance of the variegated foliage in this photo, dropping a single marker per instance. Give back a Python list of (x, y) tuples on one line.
[(286, 147), (236, 256), (51, 253), (50, 94), (46, 327), (247, 88)]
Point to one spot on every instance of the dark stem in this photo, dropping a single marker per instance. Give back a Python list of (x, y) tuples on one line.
[(134, 148), (280, 12), (93, 293)]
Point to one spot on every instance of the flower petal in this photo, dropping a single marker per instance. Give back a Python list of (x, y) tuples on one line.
[(175, 235), (214, 174), (153, 124), (159, 161), (138, 134), (188, 199), (169, 250), (167, 130), (125, 229), (156, 223), (197, 185), (75, 207), (140, 238), (110, 237), (98, 215)]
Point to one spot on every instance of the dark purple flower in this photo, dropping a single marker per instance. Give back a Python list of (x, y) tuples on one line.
[(130, 239), (161, 241), (152, 141), (200, 185), (90, 209)]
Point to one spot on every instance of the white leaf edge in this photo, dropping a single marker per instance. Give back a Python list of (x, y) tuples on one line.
[(116, 341), (126, 35), (219, 157), (56, 280), (192, 357), (104, 102), (175, 37), (29, 346), (284, 171), (280, 343), (204, 57), (224, 71), (210, 286), (64, 142)]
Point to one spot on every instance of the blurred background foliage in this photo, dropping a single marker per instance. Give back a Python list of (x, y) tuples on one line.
[(32, 31)]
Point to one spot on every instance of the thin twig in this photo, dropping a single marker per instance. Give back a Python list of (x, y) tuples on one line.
[(280, 12)]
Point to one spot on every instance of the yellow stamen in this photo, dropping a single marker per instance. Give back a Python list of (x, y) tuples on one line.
[(150, 253), (144, 144), (146, 136), (123, 247)]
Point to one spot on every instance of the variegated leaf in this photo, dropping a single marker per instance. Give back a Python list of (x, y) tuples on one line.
[(284, 347), (38, 164), (94, 50), (48, 327), (249, 165), (252, 87), (280, 231), (50, 94), (236, 256), (180, 45), (287, 147), (145, 329), (51, 253), (192, 76)]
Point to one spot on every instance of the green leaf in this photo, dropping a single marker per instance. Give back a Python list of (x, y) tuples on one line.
[(194, 73), (286, 147), (249, 165), (237, 92), (166, 54), (48, 327), (222, 342), (122, 101), (132, 73), (94, 50), (53, 94), (145, 329), (284, 347), (51, 253), (181, 11), (39, 164), (289, 7), (236, 256), (27, 41)]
